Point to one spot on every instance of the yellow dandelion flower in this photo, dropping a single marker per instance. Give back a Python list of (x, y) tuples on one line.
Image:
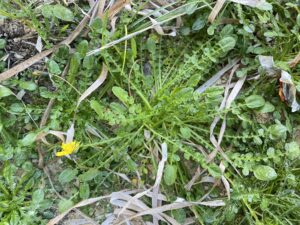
[(68, 148)]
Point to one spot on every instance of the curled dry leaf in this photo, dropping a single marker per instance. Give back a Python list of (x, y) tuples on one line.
[(58, 134), (251, 3), (147, 135), (227, 100), (215, 11), (78, 205), (267, 63), (39, 44), (160, 170), (121, 175), (288, 91), (233, 94), (132, 207), (70, 134), (208, 179), (224, 180), (189, 185), (94, 86), (218, 6), (127, 37), (173, 206), (92, 131), (101, 8), (157, 27), (217, 76), (160, 30), (117, 7)]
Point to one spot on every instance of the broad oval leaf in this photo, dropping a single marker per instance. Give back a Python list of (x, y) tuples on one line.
[(89, 175), (214, 170), (28, 85), (277, 131), (198, 24), (227, 43), (2, 43), (179, 215), (267, 108), (64, 205), (53, 67), (62, 13), (170, 174), (28, 139), (265, 173), (38, 196), (121, 94), (292, 150), (88, 62), (186, 132), (67, 175), (255, 101), (47, 11), (99, 109), (4, 91)]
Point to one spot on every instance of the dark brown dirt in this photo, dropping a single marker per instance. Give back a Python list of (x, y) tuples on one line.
[(20, 41), (12, 29)]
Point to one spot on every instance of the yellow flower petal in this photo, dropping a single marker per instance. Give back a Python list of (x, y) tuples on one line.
[(62, 153), (68, 148)]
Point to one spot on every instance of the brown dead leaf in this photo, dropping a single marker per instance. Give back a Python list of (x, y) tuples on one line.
[(218, 6), (101, 8), (78, 205), (289, 91), (217, 76), (215, 11), (224, 180), (94, 86), (159, 175), (117, 7), (173, 206)]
